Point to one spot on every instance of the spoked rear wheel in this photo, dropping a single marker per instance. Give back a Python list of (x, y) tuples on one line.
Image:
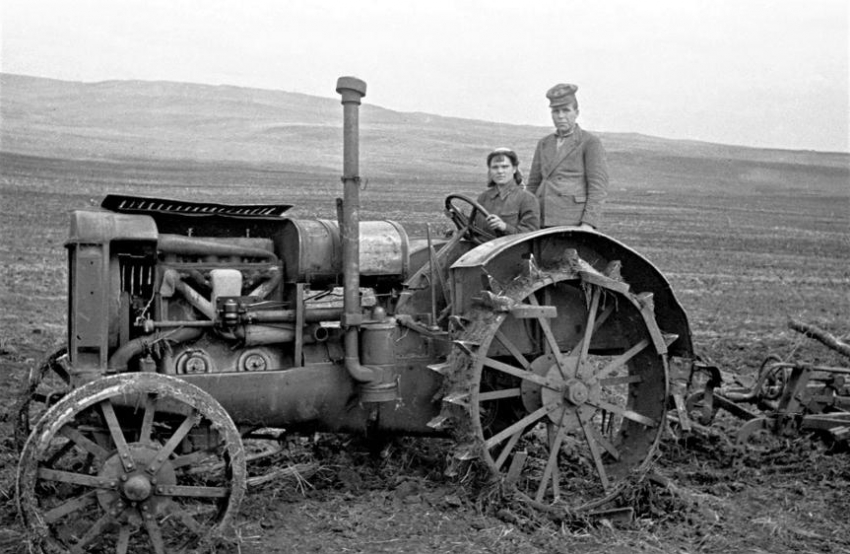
[(131, 463), (560, 389)]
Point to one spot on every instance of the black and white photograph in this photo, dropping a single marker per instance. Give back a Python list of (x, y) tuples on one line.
[(291, 277)]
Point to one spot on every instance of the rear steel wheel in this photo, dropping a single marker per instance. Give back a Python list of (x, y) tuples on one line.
[(131, 463), (559, 386)]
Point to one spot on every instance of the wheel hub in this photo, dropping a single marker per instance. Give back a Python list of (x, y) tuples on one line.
[(576, 392), (137, 488), (570, 399), (134, 487)]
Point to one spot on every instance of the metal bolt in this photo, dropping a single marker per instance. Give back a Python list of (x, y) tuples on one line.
[(124, 477)]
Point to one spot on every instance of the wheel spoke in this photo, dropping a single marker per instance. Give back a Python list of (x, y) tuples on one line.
[(189, 522), (622, 359), (520, 425), (177, 512), (551, 464), (83, 442), (511, 347), (64, 449), (93, 532), (593, 433), (123, 540), (590, 326), (154, 533), (181, 432), (602, 317), (117, 435), (506, 451), (73, 505), (516, 372), (628, 414), (594, 453), (195, 458), (147, 419), (622, 380), (193, 491), (556, 492), (73, 478), (551, 341), (497, 394)]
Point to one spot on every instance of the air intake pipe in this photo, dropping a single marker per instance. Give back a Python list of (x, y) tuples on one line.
[(352, 90)]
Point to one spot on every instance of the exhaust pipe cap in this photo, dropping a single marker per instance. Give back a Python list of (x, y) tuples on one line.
[(352, 89)]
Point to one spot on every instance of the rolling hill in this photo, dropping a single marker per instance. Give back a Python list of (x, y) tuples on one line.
[(183, 124)]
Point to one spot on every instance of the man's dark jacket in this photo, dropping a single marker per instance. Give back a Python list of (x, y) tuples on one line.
[(571, 182)]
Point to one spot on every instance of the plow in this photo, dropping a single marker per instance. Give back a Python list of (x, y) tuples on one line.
[(786, 398), (196, 327)]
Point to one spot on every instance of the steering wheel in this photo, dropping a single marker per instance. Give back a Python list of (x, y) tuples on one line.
[(466, 224)]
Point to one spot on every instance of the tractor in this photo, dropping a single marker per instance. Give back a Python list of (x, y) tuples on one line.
[(543, 357)]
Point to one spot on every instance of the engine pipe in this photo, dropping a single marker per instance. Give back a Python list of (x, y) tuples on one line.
[(352, 90), (311, 315), (172, 281), (264, 288), (179, 245), (121, 358)]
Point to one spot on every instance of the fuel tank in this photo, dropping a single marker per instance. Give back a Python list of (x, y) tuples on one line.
[(312, 251)]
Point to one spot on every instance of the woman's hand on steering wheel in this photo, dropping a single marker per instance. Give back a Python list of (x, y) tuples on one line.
[(468, 224)]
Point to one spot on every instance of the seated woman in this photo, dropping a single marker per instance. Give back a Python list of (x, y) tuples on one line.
[(512, 209)]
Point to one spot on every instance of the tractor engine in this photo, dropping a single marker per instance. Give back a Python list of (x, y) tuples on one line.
[(183, 287)]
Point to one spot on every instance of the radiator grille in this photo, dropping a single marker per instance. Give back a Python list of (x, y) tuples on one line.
[(137, 276)]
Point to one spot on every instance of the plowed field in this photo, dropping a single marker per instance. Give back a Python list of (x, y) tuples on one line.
[(741, 264)]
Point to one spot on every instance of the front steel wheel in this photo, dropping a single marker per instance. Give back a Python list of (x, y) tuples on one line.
[(131, 463)]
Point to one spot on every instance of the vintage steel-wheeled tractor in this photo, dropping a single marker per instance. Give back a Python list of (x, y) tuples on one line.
[(545, 355)]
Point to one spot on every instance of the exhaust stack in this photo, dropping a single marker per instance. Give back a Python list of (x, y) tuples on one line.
[(373, 385)]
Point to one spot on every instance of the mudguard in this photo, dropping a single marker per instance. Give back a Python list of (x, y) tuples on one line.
[(505, 258)]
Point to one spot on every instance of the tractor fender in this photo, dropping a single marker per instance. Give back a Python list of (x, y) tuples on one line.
[(504, 258)]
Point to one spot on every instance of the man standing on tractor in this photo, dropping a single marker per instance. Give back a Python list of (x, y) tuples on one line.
[(569, 171)]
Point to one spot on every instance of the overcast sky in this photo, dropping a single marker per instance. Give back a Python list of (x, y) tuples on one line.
[(767, 73)]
